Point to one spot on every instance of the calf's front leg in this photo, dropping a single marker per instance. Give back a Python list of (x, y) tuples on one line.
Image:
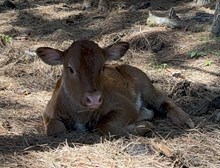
[(122, 118), (53, 126)]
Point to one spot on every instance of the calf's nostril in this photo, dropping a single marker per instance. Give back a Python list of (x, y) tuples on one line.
[(93, 100), (88, 100), (100, 99)]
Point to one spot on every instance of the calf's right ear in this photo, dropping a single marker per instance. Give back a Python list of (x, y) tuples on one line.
[(50, 56), (116, 50)]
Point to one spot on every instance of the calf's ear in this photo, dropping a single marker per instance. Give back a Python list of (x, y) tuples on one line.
[(50, 56), (116, 50)]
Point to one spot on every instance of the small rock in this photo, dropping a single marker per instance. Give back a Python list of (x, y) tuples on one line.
[(22, 37), (203, 17), (30, 53), (21, 91), (6, 124), (178, 75), (203, 109), (8, 4), (216, 102), (139, 149), (202, 2), (216, 117), (157, 46)]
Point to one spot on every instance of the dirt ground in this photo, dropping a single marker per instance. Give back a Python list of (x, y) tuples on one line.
[(184, 63)]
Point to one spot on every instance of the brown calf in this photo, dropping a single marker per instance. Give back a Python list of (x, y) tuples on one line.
[(90, 94)]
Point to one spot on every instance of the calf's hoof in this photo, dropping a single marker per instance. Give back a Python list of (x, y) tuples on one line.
[(54, 127)]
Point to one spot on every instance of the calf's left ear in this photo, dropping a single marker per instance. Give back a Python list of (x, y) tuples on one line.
[(116, 50), (50, 56)]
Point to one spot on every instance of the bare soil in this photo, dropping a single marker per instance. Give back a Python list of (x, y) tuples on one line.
[(184, 63)]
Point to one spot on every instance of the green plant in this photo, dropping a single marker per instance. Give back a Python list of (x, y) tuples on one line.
[(162, 66), (6, 38), (204, 38), (196, 54), (208, 62), (217, 38), (216, 53)]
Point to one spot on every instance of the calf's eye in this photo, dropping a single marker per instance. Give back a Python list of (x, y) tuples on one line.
[(72, 71), (102, 69)]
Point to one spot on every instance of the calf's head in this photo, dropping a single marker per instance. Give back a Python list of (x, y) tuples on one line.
[(83, 64)]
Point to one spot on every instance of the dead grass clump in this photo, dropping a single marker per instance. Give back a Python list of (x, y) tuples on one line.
[(201, 149), (147, 40), (58, 36), (106, 154), (133, 152)]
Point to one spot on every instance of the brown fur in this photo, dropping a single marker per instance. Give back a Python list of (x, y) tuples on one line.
[(120, 88)]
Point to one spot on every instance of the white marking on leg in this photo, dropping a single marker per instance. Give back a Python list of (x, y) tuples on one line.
[(138, 103), (145, 114), (80, 126)]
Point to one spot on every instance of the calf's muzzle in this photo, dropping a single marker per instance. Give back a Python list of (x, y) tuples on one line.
[(92, 100)]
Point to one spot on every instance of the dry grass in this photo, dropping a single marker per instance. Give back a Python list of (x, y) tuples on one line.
[(26, 85)]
